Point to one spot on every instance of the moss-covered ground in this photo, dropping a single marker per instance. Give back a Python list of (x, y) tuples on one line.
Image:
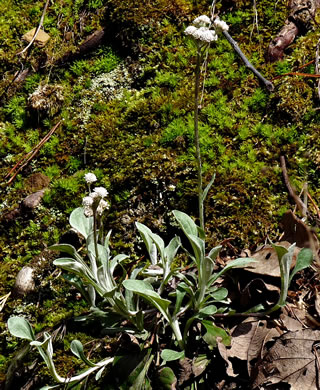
[(127, 116)]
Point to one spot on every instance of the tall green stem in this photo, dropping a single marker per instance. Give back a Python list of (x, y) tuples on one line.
[(95, 241), (197, 138)]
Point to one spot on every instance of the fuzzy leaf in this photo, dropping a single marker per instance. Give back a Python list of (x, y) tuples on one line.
[(239, 263), (80, 222), (145, 233), (208, 311), (213, 332), (207, 189), (145, 289), (20, 327), (186, 223), (304, 259), (172, 249), (117, 260), (169, 355), (77, 349)]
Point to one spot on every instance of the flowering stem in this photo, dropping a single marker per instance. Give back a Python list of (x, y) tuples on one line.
[(197, 138), (95, 241)]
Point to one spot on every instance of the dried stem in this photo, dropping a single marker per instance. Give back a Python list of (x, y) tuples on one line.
[(247, 63)]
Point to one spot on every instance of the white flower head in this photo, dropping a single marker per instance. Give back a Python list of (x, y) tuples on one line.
[(205, 35), (87, 201), (190, 30), (202, 21), (220, 24), (88, 212), (101, 191), (103, 205), (90, 178)]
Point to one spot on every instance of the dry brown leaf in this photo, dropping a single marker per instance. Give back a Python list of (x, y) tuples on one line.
[(290, 323), (267, 260), (292, 359), (247, 342)]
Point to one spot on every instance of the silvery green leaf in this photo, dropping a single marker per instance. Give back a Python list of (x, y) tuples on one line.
[(117, 260), (145, 234), (214, 252), (285, 263), (77, 283), (105, 280), (220, 294), (107, 239), (99, 373), (213, 332), (46, 344), (180, 294), (154, 254), (186, 223), (172, 249), (159, 243), (72, 265), (80, 222), (205, 271), (304, 259), (168, 355), (20, 327), (201, 233), (207, 189), (65, 248), (102, 253), (77, 349), (208, 310), (280, 250), (238, 263), (198, 246), (145, 289)]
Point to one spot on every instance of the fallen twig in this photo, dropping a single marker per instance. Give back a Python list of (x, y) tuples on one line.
[(316, 76), (38, 29), (236, 48), (29, 156), (314, 205)]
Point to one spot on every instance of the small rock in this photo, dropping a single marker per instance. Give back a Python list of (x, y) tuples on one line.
[(24, 281), (41, 39), (33, 200)]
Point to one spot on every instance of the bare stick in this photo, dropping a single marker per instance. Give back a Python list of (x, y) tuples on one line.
[(247, 63), (38, 29), (298, 201), (314, 205), (317, 65), (32, 153)]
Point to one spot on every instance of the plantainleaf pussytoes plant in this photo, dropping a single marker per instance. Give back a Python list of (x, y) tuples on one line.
[(124, 304), (130, 302)]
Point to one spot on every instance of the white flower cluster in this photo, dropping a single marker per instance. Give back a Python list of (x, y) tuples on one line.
[(95, 202), (90, 178), (220, 24), (200, 31)]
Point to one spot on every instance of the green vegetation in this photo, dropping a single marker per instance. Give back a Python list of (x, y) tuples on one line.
[(127, 115)]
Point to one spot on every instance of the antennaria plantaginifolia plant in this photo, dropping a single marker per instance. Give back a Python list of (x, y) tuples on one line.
[(202, 36), (128, 302)]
